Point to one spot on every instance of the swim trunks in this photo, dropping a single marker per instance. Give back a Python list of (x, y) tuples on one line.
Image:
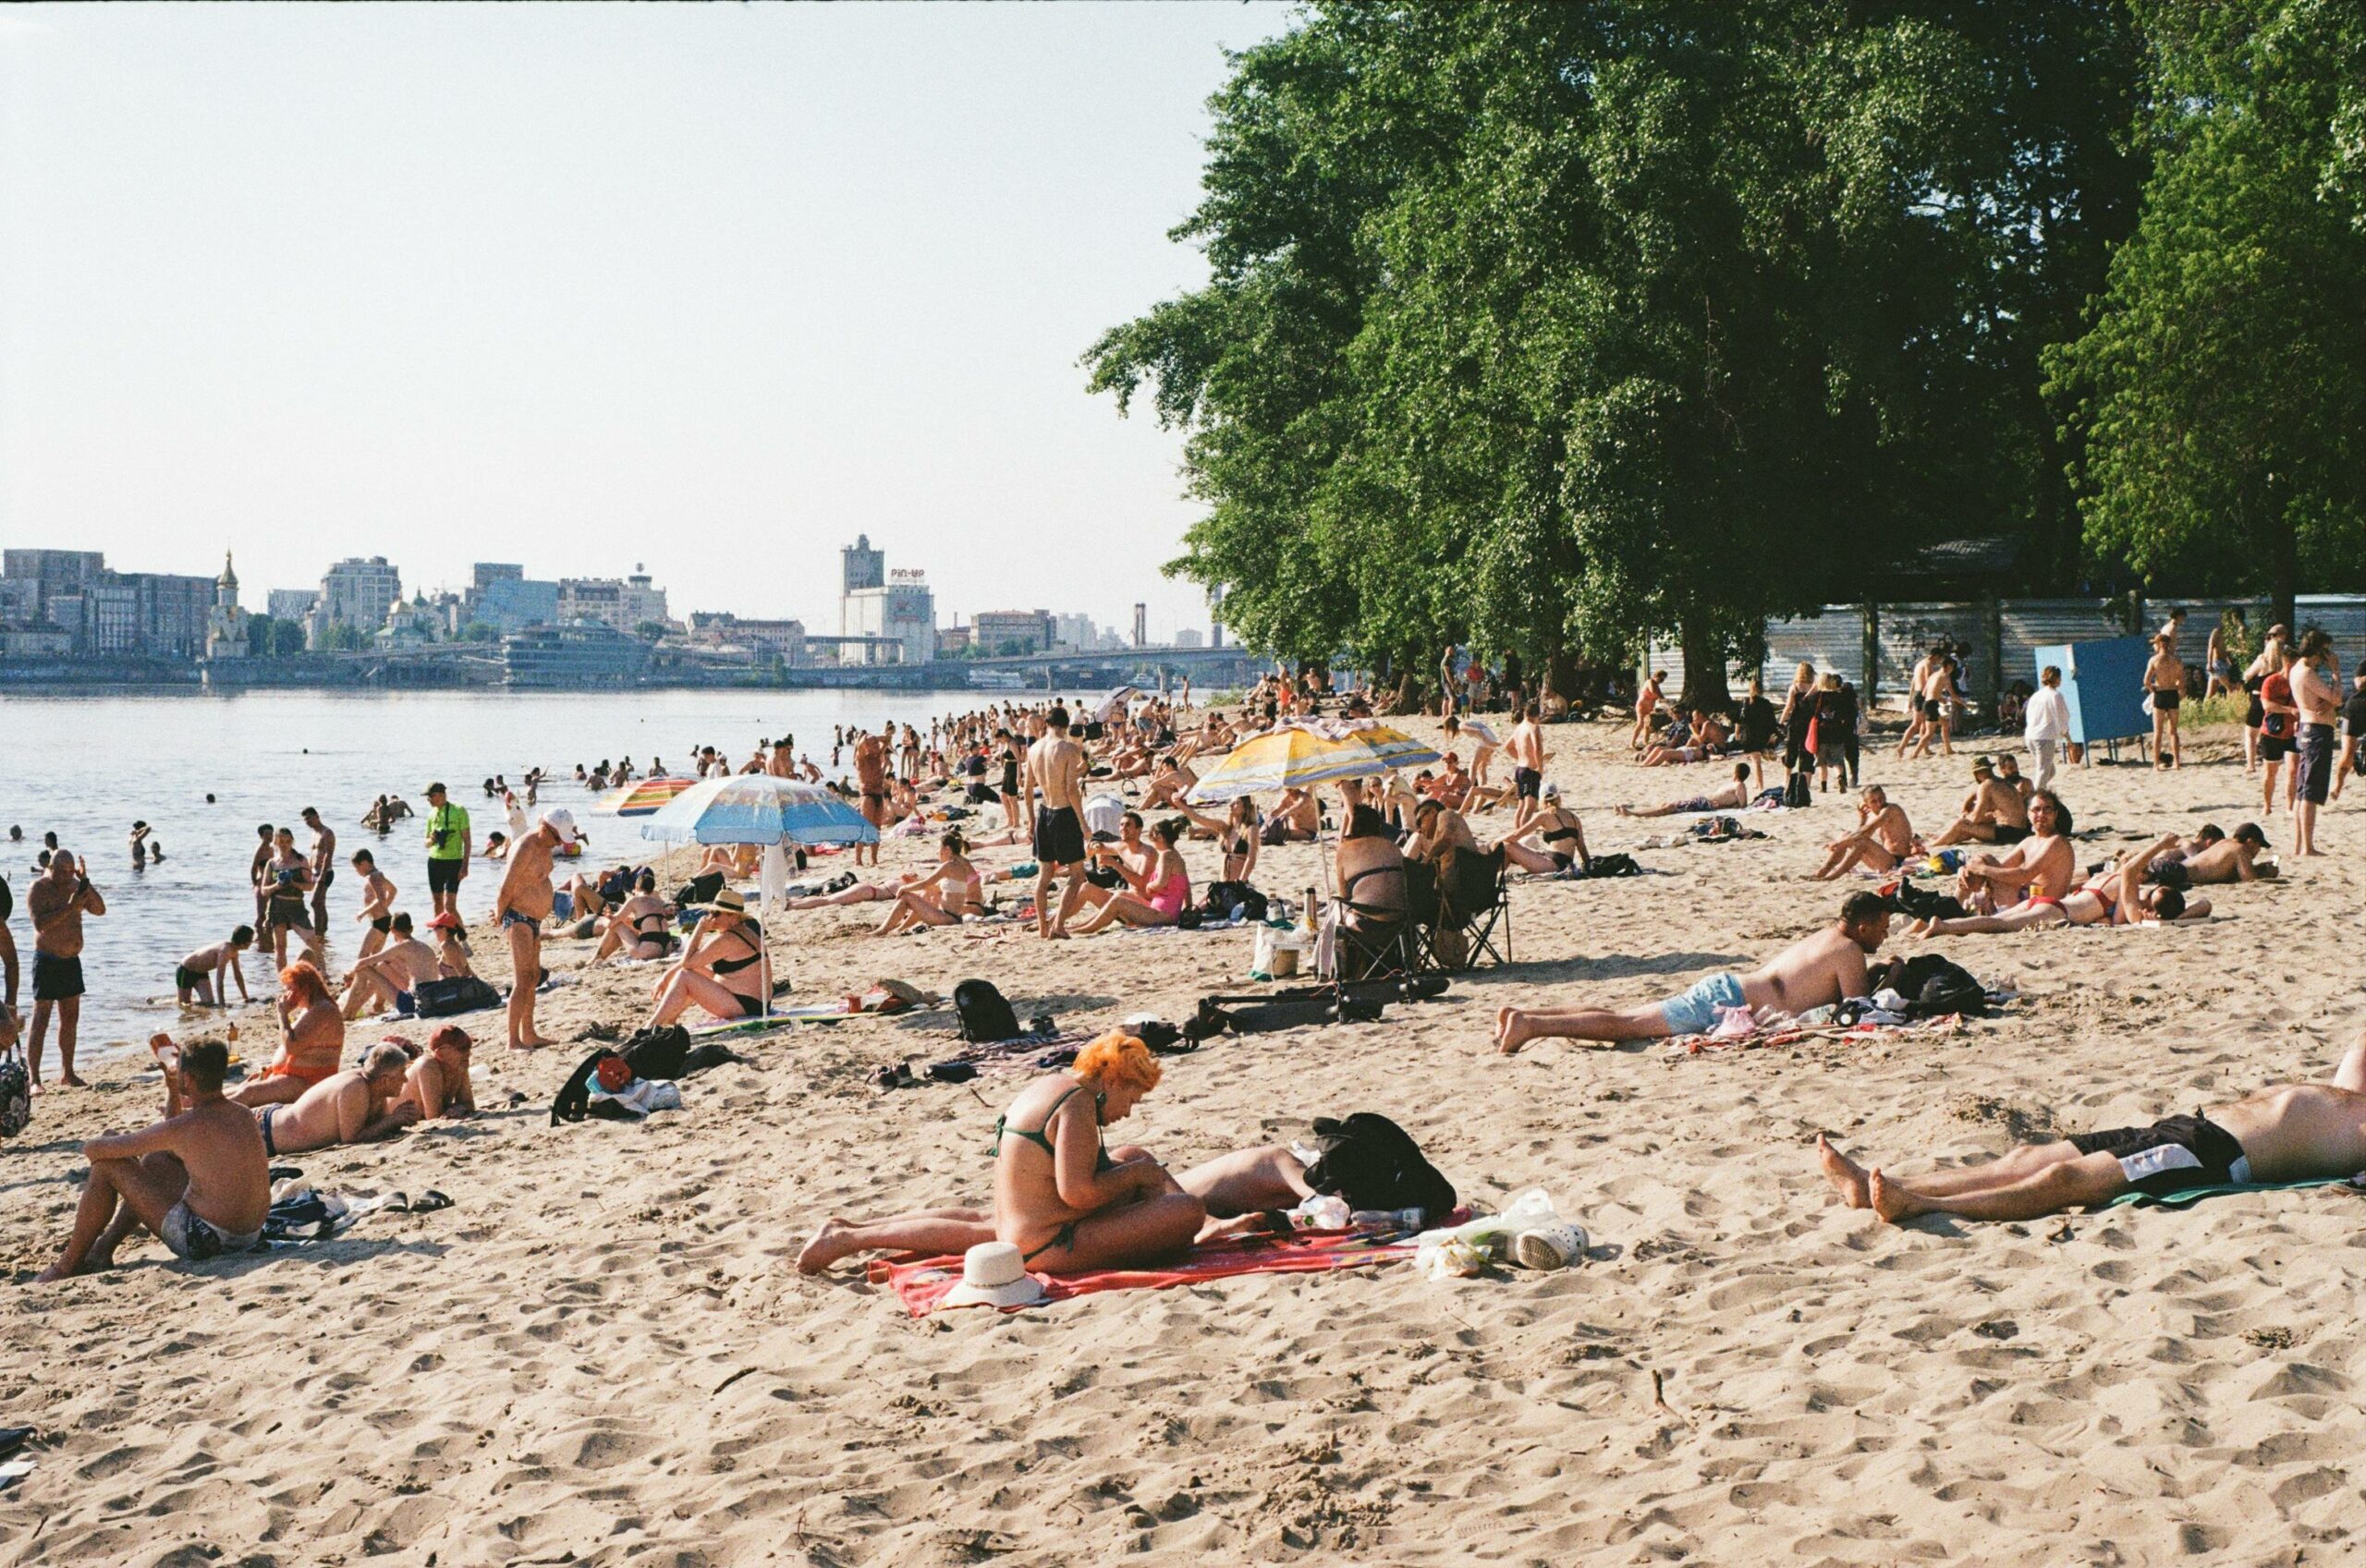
[(443, 876), (2007, 834), (2316, 763), (185, 978), (2171, 1154), (1059, 835), (1930, 707), (1694, 1012), (57, 978), (190, 1237), (1525, 782), (2165, 699), (383, 923), (519, 918), (262, 1124)]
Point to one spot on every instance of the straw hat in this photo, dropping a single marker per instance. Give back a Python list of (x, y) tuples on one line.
[(726, 902), (994, 1274)]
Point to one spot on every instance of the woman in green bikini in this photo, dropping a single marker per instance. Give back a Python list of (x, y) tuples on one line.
[(1061, 1196)]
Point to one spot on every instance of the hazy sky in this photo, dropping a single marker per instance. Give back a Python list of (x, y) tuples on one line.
[(712, 287)]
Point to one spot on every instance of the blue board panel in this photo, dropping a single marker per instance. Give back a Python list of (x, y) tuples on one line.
[(2105, 684)]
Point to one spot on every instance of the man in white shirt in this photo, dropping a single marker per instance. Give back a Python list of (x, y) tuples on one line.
[(2046, 725)]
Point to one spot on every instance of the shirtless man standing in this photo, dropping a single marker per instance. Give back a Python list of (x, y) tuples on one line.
[(377, 902), (2164, 683), (356, 1105), (57, 900), (871, 778), (1813, 971), (2313, 689), (1919, 718), (324, 867), (2286, 1132), (1056, 770), (382, 980), (520, 909), (1525, 749), (198, 1179)]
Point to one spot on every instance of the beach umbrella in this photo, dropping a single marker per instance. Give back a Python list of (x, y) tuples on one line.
[(758, 808), (1293, 757), (1115, 704), (643, 797), (1393, 746)]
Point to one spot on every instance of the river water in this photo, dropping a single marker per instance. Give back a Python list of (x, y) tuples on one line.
[(87, 767)]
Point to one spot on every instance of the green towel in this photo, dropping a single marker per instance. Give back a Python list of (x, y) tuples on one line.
[(2195, 1195)]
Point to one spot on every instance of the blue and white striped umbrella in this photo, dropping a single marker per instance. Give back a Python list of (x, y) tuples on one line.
[(759, 808)]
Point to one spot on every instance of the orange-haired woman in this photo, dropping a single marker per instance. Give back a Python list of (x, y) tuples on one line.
[(1061, 1196)]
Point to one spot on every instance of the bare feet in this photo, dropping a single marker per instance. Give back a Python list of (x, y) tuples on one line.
[(1514, 1029), (73, 1080), (532, 1042), (1847, 1178), (829, 1244), (58, 1272), (1889, 1200)]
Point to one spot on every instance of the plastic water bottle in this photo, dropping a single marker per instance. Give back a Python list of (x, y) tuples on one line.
[(1377, 1220), (1325, 1212)]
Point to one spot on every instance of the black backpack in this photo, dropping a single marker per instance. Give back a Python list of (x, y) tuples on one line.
[(1374, 1163), (986, 1018), (656, 1053), (1933, 986), (1618, 865), (1796, 792), (1223, 898), (442, 998), (698, 890)]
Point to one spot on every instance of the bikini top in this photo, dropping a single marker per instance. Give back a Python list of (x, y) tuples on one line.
[(1002, 1129), (753, 936)]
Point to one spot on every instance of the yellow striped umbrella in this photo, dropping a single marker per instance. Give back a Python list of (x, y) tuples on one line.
[(643, 796), (1290, 757)]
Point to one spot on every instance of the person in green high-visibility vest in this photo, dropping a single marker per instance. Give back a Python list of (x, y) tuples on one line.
[(448, 847)]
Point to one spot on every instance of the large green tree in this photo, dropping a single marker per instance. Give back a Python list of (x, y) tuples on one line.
[(1539, 326), (2220, 391)]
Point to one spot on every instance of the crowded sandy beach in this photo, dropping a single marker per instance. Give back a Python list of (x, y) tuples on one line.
[(618, 1339)]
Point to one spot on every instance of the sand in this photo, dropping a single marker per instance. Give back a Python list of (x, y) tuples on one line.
[(601, 1354)]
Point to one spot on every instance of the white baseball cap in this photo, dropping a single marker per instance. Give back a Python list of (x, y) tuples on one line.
[(561, 821)]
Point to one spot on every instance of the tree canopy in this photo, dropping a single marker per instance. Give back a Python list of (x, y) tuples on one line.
[(1535, 327)]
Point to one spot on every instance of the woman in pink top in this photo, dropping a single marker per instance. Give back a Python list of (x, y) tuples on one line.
[(1154, 899)]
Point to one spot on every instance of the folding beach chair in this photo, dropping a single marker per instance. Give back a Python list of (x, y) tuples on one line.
[(1472, 916)]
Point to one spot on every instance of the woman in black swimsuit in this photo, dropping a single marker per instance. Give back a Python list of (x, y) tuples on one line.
[(1557, 828), (725, 970), (1063, 1198)]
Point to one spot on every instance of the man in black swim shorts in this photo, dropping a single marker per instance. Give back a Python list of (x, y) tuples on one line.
[(2285, 1133)]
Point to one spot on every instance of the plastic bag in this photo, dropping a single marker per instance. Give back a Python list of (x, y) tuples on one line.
[(1463, 1250)]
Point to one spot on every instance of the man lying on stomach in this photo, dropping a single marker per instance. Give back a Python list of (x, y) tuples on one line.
[(356, 1105)]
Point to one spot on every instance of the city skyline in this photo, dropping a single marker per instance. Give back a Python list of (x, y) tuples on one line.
[(861, 315)]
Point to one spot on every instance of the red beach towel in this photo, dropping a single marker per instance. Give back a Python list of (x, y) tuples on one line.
[(922, 1282)]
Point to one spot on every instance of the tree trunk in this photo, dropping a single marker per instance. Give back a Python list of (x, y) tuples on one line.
[(1704, 669), (2286, 584), (1407, 699)]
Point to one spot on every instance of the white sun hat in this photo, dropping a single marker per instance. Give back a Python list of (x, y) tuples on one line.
[(994, 1274)]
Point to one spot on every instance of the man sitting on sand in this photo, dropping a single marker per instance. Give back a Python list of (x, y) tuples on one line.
[(198, 1179), (202, 977), (1883, 838), (2285, 1133), (1735, 796), (384, 980), (2041, 866), (1812, 972), (437, 1080), (1994, 812), (2119, 896), (358, 1105)]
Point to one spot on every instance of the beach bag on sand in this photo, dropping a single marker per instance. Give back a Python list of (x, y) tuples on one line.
[(15, 1093), (658, 1053), (1933, 986), (986, 1018), (698, 890), (1797, 793), (1374, 1163), (461, 994)]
